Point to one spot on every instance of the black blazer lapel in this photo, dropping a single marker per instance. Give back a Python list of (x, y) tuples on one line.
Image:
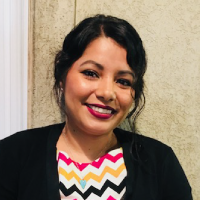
[(51, 163)]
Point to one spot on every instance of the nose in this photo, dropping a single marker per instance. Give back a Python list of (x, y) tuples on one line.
[(106, 90)]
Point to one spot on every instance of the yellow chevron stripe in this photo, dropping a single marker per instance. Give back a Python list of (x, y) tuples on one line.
[(91, 175), (107, 169), (70, 175)]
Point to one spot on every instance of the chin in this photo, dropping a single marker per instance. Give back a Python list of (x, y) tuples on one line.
[(100, 129)]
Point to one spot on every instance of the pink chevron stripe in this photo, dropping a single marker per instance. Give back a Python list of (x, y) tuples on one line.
[(96, 164), (68, 161), (113, 159), (111, 198)]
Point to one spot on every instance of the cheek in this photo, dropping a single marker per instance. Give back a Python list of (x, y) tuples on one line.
[(72, 83), (77, 89), (126, 101)]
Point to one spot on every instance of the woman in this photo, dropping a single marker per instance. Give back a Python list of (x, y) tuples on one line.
[(98, 83)]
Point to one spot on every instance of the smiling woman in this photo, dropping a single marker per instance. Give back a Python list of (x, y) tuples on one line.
[(98, 78), (100, 90)]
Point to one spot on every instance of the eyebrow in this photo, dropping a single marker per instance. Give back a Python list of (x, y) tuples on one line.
[(121, 72), (94, 63)]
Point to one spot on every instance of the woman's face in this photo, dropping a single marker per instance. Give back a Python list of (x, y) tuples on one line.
[(98, 93)]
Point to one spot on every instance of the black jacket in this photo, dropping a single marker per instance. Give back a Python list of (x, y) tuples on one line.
[(28, 167)]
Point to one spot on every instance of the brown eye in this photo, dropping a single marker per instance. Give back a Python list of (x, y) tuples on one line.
[(124, 82), (90, 73)]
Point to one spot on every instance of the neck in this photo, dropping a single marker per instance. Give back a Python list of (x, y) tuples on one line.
[(86, 148)]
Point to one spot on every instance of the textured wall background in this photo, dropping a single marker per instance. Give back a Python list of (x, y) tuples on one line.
[(52, 20), (171, 34)]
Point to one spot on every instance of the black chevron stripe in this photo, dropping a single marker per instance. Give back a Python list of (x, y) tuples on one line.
[(91, 189)]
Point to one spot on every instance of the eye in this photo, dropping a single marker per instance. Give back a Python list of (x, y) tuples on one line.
[(90, 74), (124, 82)]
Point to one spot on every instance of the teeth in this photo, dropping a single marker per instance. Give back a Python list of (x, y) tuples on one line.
[(101, 110)]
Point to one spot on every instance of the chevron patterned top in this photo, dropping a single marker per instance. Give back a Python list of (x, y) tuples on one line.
[(102, 179)]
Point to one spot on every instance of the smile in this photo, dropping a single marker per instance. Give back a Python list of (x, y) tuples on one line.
[(100, 111)]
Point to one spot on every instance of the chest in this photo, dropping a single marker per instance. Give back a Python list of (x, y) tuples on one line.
[(104, 178)]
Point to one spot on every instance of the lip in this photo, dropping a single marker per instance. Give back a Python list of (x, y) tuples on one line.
[(100, 115)]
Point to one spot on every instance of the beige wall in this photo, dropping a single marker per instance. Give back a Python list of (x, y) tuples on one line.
[(171, 34)]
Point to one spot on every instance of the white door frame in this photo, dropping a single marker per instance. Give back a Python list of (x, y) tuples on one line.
[(13, 66)]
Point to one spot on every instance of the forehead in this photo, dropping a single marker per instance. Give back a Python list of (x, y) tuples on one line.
[(106, 51), (104, 43)]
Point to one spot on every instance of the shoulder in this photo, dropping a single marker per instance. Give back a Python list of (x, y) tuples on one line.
[(145, 147), (144, 141), (27, 138), (157, 163), (154, 146)]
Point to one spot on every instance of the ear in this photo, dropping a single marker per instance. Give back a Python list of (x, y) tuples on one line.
[(133, 93)]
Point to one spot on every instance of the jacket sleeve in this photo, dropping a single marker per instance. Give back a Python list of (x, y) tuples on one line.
[(174, 182), (8, 172)]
